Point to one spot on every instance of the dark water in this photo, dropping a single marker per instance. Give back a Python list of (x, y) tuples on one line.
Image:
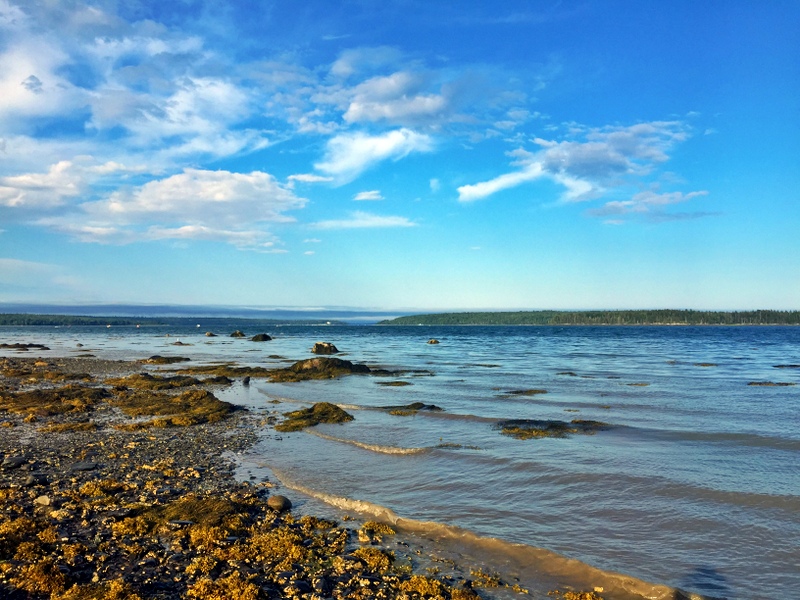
[(694, 484)]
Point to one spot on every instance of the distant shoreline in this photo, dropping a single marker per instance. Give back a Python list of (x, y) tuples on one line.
[(661, 318)]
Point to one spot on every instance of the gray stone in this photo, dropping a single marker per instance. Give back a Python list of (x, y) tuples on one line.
[(279, 503), (83, 466), (13, 462)]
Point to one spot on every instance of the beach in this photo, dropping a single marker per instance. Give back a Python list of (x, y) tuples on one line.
[(99, 504)]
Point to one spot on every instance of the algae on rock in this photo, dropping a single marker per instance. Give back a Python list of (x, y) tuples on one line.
[(321, 412)]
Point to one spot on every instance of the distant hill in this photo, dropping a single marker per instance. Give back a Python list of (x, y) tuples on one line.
[(604, 317)]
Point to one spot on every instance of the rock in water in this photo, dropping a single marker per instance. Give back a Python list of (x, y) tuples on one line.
[(279, 503), (238, 334), (433, 341), (261, 337), (324, 348)]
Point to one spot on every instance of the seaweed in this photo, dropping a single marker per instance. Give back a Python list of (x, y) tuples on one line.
[(189, 408), (321, 412), (146, 381), (44, 403)]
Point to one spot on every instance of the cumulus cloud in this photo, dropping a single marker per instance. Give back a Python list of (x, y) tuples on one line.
[(369, 195), (348, 155), (396, 98), (37, 190), (235, 208), (364, 220)]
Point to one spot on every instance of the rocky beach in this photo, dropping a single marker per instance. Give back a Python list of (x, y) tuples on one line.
[(118, 481)]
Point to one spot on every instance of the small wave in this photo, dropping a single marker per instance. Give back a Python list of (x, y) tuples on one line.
[(542, 568), (371, 447)]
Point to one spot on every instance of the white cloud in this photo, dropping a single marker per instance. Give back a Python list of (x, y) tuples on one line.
[(307, 178), (234, 208), (369, 195), (398, 98), (435, 185), (37, 190), (348, 155), (605, 157), (364, 220), (13, 270), (477, 191)]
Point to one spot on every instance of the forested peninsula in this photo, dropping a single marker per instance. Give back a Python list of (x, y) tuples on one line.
[(604, 317)]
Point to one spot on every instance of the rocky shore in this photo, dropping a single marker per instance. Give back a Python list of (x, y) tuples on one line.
[(114, 485)]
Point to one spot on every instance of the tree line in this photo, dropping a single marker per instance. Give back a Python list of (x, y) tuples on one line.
[(605, 317)]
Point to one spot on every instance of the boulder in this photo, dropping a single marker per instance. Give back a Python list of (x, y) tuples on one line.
[(261, 337), (324, 348), (279, 503), (433, 341), (210, 334), (238, 334)]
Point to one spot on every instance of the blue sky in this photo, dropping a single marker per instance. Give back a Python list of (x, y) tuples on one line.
[(401, 155)]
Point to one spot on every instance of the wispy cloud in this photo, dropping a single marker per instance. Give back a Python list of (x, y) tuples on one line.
[(364, 220), (650, 205), (602, 159), (369, 195), (348, 155)]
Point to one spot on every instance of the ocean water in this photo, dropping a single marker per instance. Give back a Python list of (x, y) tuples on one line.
[(694, 484)]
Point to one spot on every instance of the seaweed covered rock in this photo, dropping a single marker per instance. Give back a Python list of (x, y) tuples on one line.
[(324, 348), (524, 429), (321, 412), (261, 337), (157, 359), (407, 410), (238, 334), (317, 368)]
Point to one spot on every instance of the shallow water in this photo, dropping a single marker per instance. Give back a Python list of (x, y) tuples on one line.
[(696, 484)]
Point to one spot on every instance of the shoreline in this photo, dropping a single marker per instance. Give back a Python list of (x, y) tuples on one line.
[(158, 512)]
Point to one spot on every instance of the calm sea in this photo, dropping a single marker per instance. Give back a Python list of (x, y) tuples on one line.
[(695, 484)]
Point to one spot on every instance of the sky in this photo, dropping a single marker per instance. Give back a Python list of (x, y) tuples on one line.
[(401, 154)]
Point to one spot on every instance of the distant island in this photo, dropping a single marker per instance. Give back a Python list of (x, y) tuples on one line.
[(34, 320), (604, 317)]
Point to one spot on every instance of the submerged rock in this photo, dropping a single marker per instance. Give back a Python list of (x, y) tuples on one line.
[(324, 348), (321, 412), (524, 429), (238, 334), (409, 409), (261, 337), (433, 341)]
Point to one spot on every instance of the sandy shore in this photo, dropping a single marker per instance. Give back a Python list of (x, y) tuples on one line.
[(114, 491)]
